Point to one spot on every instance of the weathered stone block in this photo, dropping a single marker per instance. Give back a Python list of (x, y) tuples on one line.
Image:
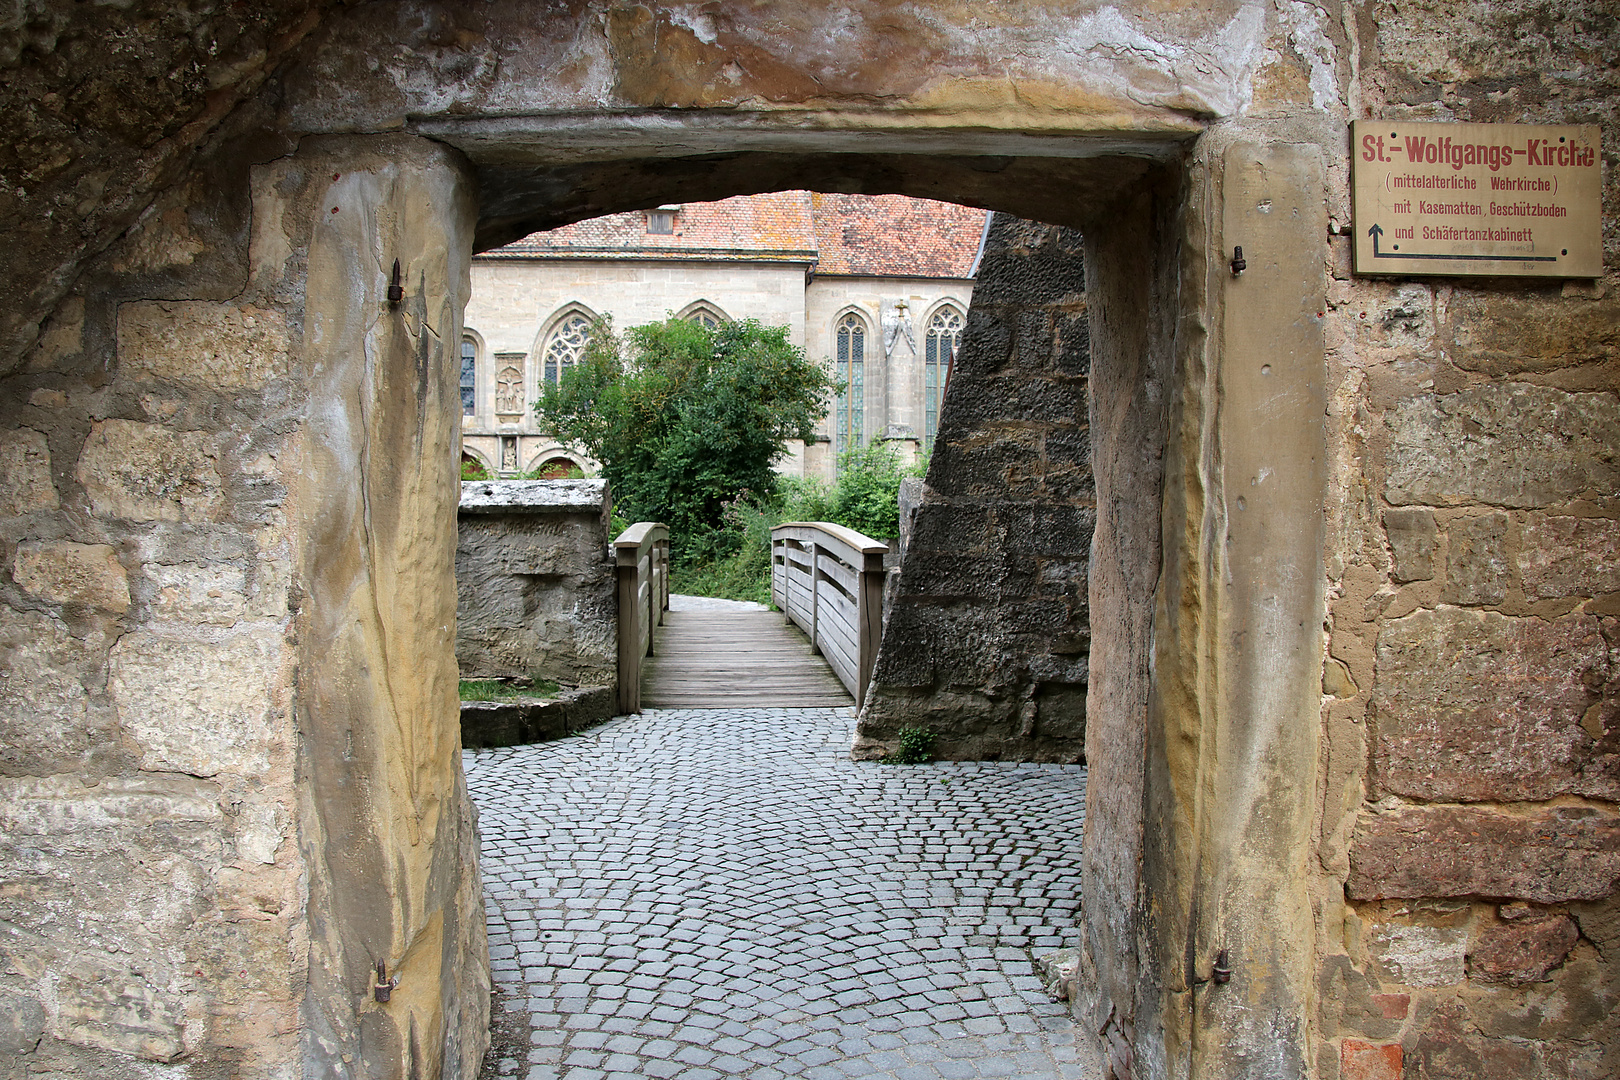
[(199, 705), (192, 592), (1548, 855), (1000, 464), (1503, 444), (951, 527), (1566, 556), (961, 577), (25, 473), (201, 343), (1072, 344), (68, 573), (1473, 705), (535, 584), (1030, 398), (1523, 950), (1476, 560), (1400, 316), (132, 857), (261, 826), (1451, 1045), (1027, 263), (44, 720), (22, 1022), (1417, 955), (1060, 713), (1413, 542), (1360, 1060), (146, 472), (1350, 1002), (1505, 333)]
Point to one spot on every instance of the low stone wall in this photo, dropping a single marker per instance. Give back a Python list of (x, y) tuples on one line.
[(487, 724), (534, 583)]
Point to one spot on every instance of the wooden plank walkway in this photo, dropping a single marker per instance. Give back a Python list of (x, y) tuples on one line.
[(736, 659)]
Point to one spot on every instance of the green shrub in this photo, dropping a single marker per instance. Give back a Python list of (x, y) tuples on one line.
[(916, 748), (733, 561), (684, 416), (473, 469)]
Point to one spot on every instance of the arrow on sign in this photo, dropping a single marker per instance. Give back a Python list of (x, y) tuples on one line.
[(1376, 231)]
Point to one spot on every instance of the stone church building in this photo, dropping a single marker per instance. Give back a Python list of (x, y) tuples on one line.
[(875, 286)]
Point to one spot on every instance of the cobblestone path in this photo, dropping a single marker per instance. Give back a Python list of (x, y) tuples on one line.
[(723, 893)]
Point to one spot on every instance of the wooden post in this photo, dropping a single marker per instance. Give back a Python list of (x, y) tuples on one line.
[(815, 593), (629, 634), (870, 616), (641, 558)]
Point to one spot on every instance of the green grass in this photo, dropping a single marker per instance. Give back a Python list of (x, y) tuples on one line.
[(502, 690)]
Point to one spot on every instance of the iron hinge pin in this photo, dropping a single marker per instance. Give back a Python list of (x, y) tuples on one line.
[(383, 989)]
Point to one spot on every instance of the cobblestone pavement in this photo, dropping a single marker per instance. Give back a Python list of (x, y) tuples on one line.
[(707, 893)]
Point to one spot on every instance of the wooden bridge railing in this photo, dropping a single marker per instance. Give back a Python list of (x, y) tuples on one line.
[(642, 555), (829, 580)]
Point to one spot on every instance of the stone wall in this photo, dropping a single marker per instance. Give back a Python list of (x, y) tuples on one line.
[(535, 583), (987, 637), (231, 780)]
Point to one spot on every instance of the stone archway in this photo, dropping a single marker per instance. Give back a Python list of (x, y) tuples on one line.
[(382, 824), (1137, 976)]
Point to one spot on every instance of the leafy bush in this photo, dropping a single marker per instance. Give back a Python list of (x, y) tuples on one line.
[(866, 494), (735, 562), (473, 469), (684, 416), (916, 748)]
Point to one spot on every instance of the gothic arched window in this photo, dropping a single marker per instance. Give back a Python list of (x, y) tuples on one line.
[(469, 376), (849, 424), (565, 345), (704, 314), (939, 352)]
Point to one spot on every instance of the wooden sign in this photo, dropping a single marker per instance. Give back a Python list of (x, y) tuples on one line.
[(1515, 199)]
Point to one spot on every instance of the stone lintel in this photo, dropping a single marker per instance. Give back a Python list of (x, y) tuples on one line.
[(532, 496)]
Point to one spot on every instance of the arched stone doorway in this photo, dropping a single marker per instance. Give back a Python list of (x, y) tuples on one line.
[(558, 468)]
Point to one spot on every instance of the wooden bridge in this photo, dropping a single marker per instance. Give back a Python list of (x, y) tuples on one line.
[(817, 650)]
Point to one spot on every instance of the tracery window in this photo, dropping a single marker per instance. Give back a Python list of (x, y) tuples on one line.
[(939, 352), (849, 424), (704, 314), (566, 345), (469, 376)]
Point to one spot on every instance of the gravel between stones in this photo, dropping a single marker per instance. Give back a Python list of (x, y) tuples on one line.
[(709, 893)]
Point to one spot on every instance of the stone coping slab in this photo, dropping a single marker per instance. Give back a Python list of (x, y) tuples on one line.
[(516, 723), (532, 496)]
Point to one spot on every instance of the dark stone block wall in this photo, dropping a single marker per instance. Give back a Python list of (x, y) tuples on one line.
[(987, 638)]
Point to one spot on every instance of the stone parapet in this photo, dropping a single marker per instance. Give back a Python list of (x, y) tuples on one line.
[(535, 583)]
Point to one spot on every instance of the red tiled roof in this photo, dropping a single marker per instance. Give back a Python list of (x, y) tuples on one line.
[(895, 236), (857, 235)]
